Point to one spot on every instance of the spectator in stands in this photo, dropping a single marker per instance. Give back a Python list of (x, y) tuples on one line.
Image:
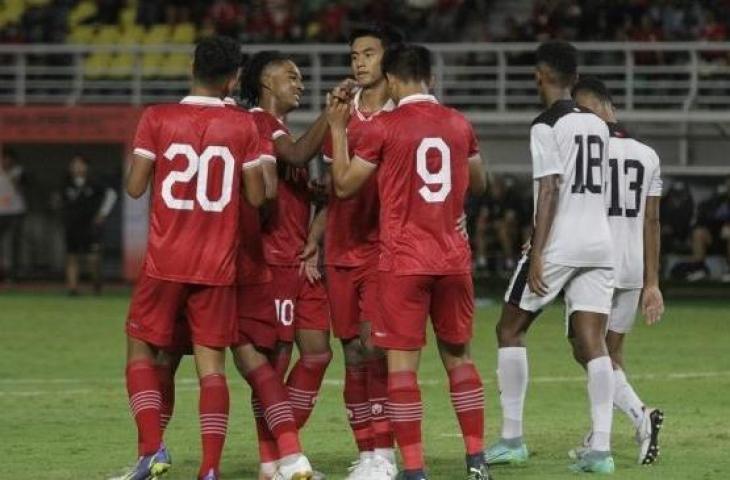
[(711, 233), (12, 212), (677, 212), (86, 204)]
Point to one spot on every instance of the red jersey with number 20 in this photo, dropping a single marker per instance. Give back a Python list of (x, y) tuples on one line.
[(286, 222), (199, 148), (422, 151)]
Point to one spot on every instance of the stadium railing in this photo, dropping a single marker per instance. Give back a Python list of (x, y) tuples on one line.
[(665, 83)]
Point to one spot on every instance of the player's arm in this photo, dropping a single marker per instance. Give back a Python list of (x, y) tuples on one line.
[(309, 266), (271, 180), (139, 175), (547, 205), (298, 152), (107, 203), (546, 171), (348, 175), (652, 303), (254, 189), (477, 175)]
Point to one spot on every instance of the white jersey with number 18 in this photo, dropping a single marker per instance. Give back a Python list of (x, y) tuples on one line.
[(633, 175), (572, 142)]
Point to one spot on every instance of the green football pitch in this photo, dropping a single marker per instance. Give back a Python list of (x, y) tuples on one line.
[(64, 415)]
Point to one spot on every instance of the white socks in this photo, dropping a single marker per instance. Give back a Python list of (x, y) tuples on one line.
[(626, 399), (512, 377), (600, 392)]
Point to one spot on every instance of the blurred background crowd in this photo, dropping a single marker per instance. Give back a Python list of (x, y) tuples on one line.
[(55, 21)]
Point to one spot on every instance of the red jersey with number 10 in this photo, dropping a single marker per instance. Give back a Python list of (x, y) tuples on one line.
[(286, 221), (199, 148), (422, 152), (351, 236)]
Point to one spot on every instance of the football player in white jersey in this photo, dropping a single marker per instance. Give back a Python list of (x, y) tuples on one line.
[(571, 251), (634, 192)]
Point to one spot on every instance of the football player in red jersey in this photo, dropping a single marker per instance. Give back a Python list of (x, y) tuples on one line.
[(428, 157), (272, 85), (201, 159), (351, 254)]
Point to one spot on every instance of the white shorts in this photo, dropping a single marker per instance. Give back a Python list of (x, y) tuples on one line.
[(623, 310), (586, 289)]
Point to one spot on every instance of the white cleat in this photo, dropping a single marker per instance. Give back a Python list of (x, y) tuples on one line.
[(382, 468), (647, 436), (294, 469), (360, 469)]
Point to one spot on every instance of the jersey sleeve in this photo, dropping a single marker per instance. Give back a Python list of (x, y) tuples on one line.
[(655, 181), (370, 146), (252, 150), (144, 143), (544, 151)]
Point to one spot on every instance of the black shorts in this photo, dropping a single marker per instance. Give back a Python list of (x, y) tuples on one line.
[(83, 239)]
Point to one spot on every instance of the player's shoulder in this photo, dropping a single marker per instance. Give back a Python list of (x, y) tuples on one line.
[(619, 133), (565, 110)]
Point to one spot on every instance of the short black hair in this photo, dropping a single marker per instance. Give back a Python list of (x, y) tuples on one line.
[(594, 86), (408, 62), (561, 57), (386, 33), (251, 75), (216, 59)]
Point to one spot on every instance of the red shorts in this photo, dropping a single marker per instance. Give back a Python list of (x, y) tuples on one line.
[(353, 296), (157, 305), (298, 304), (406, 301), (256, 316)]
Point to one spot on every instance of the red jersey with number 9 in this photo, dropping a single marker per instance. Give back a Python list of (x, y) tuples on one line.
[(199, 148), (422, 151)]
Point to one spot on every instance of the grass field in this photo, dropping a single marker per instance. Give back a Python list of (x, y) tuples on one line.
[(64, 415)]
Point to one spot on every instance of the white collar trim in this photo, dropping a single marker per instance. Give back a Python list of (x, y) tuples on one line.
[(417, 97), (205, 101), (389, 105), (230, 101)]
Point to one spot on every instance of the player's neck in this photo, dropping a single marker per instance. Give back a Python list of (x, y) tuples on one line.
[(412, 88), (556, 94), (374, 97), (198, 90), (270, 104)]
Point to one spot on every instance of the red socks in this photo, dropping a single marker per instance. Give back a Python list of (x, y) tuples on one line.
[(378, 397), (467, 397), (304, 382), (213, 408), (144, 401), (274, 417), (166, 377), (357, 404), (405, 411)]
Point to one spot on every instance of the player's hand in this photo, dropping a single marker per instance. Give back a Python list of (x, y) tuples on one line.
[(461, 226), (98, 220), (338, 114), (525, 247), (652, 304), (534, 277), (344, 91), (309, 263)]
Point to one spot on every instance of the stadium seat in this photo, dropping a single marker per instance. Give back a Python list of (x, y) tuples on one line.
[(175, 65), (152, 64), (131, 34), (183, 33), (128, 16), (121, 66), (13, 10), (158, 34), (81, 34), (97, 65), (106, 35), (83, 11)]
